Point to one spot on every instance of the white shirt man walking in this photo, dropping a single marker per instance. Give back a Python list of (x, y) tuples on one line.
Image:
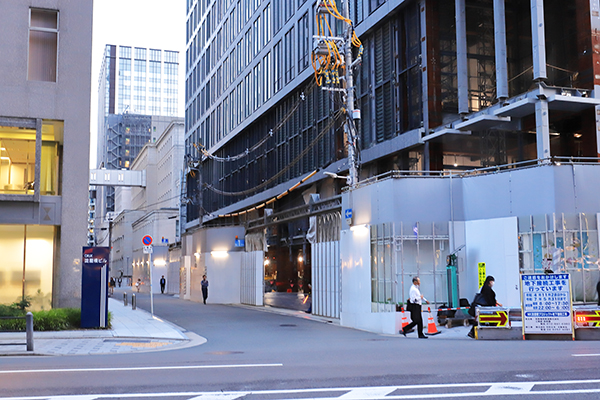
[(416, 299)]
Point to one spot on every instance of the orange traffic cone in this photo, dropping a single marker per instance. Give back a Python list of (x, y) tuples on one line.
[(431, 327), (404, 319)]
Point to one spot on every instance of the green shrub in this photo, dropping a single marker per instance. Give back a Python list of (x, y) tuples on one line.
[(57, 319)]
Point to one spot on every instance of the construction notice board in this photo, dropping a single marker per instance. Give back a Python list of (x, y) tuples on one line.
[(546, 304)]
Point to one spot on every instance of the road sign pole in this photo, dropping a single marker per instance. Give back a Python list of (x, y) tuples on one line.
[(151, 292)]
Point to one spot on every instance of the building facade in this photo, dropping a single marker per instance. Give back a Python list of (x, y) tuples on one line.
[(151, 210), (442, 87), (44, 142)]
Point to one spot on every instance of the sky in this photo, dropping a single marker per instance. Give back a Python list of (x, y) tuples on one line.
[(159, 24)]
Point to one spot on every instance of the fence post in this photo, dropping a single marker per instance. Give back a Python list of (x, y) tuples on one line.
[(29, 330), (133, 302), (125, 298)]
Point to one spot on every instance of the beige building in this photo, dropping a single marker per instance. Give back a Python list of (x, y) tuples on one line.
[(151, 210), (45, 72)]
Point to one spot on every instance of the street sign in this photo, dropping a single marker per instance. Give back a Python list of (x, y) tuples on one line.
[(148, 249), (494, 319), (546, 302), (348, 213), (240, 242), (587, 318), (481, 273), (147, 240)]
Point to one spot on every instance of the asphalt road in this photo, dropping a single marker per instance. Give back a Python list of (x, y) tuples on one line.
[(251, 350)]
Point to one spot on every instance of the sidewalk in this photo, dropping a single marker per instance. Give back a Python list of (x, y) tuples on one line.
[(132, 331)]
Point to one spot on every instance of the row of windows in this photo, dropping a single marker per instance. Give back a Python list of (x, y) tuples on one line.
[(276, 72), (391, 55)]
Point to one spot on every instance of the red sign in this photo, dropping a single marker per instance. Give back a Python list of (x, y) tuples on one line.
[(589, 319), (147, 240)]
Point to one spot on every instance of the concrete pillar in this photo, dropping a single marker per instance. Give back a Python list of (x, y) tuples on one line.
[(462, 70), (500, 44), (538, 40), (542, 129)]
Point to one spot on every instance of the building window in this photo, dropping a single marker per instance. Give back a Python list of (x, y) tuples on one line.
[(289, 55), (17, 160), (303, 42), (43, 45)]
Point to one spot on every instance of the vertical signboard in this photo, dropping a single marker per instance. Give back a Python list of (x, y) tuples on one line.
[(481, 273), (94, 284), (547, 305)]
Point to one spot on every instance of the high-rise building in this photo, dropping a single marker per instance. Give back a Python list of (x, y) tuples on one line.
[(135, 83), (44, 140), (139, 81), (440, 85)]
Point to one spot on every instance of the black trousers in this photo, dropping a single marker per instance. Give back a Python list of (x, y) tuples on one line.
[(417, 319), (162, 288), (205, 293)]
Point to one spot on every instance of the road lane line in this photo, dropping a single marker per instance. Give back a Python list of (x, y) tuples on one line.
[(585, 355), (367, 393), (511, 388), (130, 369)]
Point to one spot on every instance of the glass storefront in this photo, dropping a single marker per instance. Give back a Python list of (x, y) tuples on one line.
[(27, 264)]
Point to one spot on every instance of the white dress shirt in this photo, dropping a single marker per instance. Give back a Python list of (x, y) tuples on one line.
[(415, 295)]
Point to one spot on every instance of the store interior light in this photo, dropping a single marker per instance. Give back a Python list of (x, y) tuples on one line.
[(160, 262), (197, 254), (300, 258), (267, 262), (5, 158), (219, 253)]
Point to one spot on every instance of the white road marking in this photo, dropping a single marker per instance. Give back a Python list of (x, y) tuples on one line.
[(130, 369), (368, 393), (585, 355), (364, 393), (511, 388)]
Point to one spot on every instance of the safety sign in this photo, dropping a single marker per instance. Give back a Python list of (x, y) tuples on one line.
[(495, 319), (587, 318), (546, 302), (147, 240), (481, 273)]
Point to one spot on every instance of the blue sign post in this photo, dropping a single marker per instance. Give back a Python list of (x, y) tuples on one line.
[(94, 287)]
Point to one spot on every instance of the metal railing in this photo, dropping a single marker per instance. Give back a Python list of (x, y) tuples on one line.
[(28, 331), (521, 165)]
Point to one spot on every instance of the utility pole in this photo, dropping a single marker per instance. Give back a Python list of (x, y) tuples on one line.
[(329, 55), (351, 114)]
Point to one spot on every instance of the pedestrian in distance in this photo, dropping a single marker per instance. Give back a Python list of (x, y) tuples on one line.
[(163, 282), (204, 285), (414, 303), (111, 285), (138, 284), (485, 298)]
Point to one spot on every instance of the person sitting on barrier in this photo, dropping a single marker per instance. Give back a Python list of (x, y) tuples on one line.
[(485, 298)]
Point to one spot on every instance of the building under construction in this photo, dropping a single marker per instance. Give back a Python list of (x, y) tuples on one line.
[(442, 86)]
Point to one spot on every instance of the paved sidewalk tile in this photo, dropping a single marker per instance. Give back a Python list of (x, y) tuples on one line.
[(132, 331)]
